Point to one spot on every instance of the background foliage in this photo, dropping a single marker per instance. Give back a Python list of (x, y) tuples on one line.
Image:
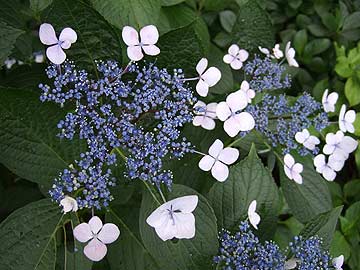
[(325, 34)]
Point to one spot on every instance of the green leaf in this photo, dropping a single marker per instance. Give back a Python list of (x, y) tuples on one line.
[(248, 180), (27, 237), (352, 21), (317, 46), (323, 226), (135, 13), (227, 19), (317, 30), (13, 13), (253, 27), (128, 252), (96, 38), (310, 198), (29, 146), (195, 253), (352, 216), (352, 90), (39, 5), (300, 41), (352, 188), (171, 2), (182, 52), (340, 246), (226, 84), (8, 36)]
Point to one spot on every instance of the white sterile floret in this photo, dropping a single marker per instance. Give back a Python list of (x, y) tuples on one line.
[(324, 168), (338, 262), (218, 159), (229, 112), (291, 263), (98, 235), (175, 218), (346, 119), (277, 52), (149, 35), (292, 169), (254, 217), (207, 78), (309, 141), (205, 115), (290, 55), (329, 101), (55, 52), (235, 57), (264, 51), (69, 204), (339, 145), (245, 87), (9, 62)]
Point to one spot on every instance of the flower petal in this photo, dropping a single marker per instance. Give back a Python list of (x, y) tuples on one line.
[(254, 219), (82, 232), (202, 88), (149, 34), (151, 49), (68, 34), (134, 53), (237, 101), (236, 64), (95, 250), (201, 66), (229, 155), (185, 204), (95, 224), (289, 160), (130, 36), (246, 121), (206, 163), (158, 217), (216, 148), (223, 111), (56, 54), (208, 123), (47, 34), (233, 49), (243, 55), (167, 230), (220, 171), (185, 225), (211, 76), (109, 233), (228, 58), (232, 126)]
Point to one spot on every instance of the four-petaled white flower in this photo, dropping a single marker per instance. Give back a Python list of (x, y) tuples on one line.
[(235, 57), (55, 52), (324, 168), (277, 52), (338, 262), (339, 145), (254, 217), (290, 55), (292, 169), (69, 204), (149, 35), (309, 141), (346, 119), (98, 235), (329, 101), (245, 87), (205, 115), (207, 78), (175, 218), (235, 121), (218, 159)]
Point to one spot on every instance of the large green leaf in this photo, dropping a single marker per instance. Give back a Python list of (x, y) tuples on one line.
[(195, 253), (8, 36), (135, 13), (183, 48), (248, 180), (28, 143), (323, 226), (128, 252), (96, 38), (27, 237), (253, 27), (309, 199)]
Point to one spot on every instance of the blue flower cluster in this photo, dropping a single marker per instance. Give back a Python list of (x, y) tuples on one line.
[(244, 251), (265, 74), (279, 120), (309, 254), (139, 115)]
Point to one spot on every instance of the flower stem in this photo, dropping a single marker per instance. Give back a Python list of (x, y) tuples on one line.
[(151, 192), (190, 79)]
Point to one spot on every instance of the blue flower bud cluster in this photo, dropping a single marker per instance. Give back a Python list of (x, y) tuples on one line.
[(136, 112), (244, 251), (265, 74), (279, 120)]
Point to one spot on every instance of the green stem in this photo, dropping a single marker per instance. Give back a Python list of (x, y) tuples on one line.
[(162, 195), (119, 152), (65, 251), (152, 194), (275, 153), (234, 142)]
